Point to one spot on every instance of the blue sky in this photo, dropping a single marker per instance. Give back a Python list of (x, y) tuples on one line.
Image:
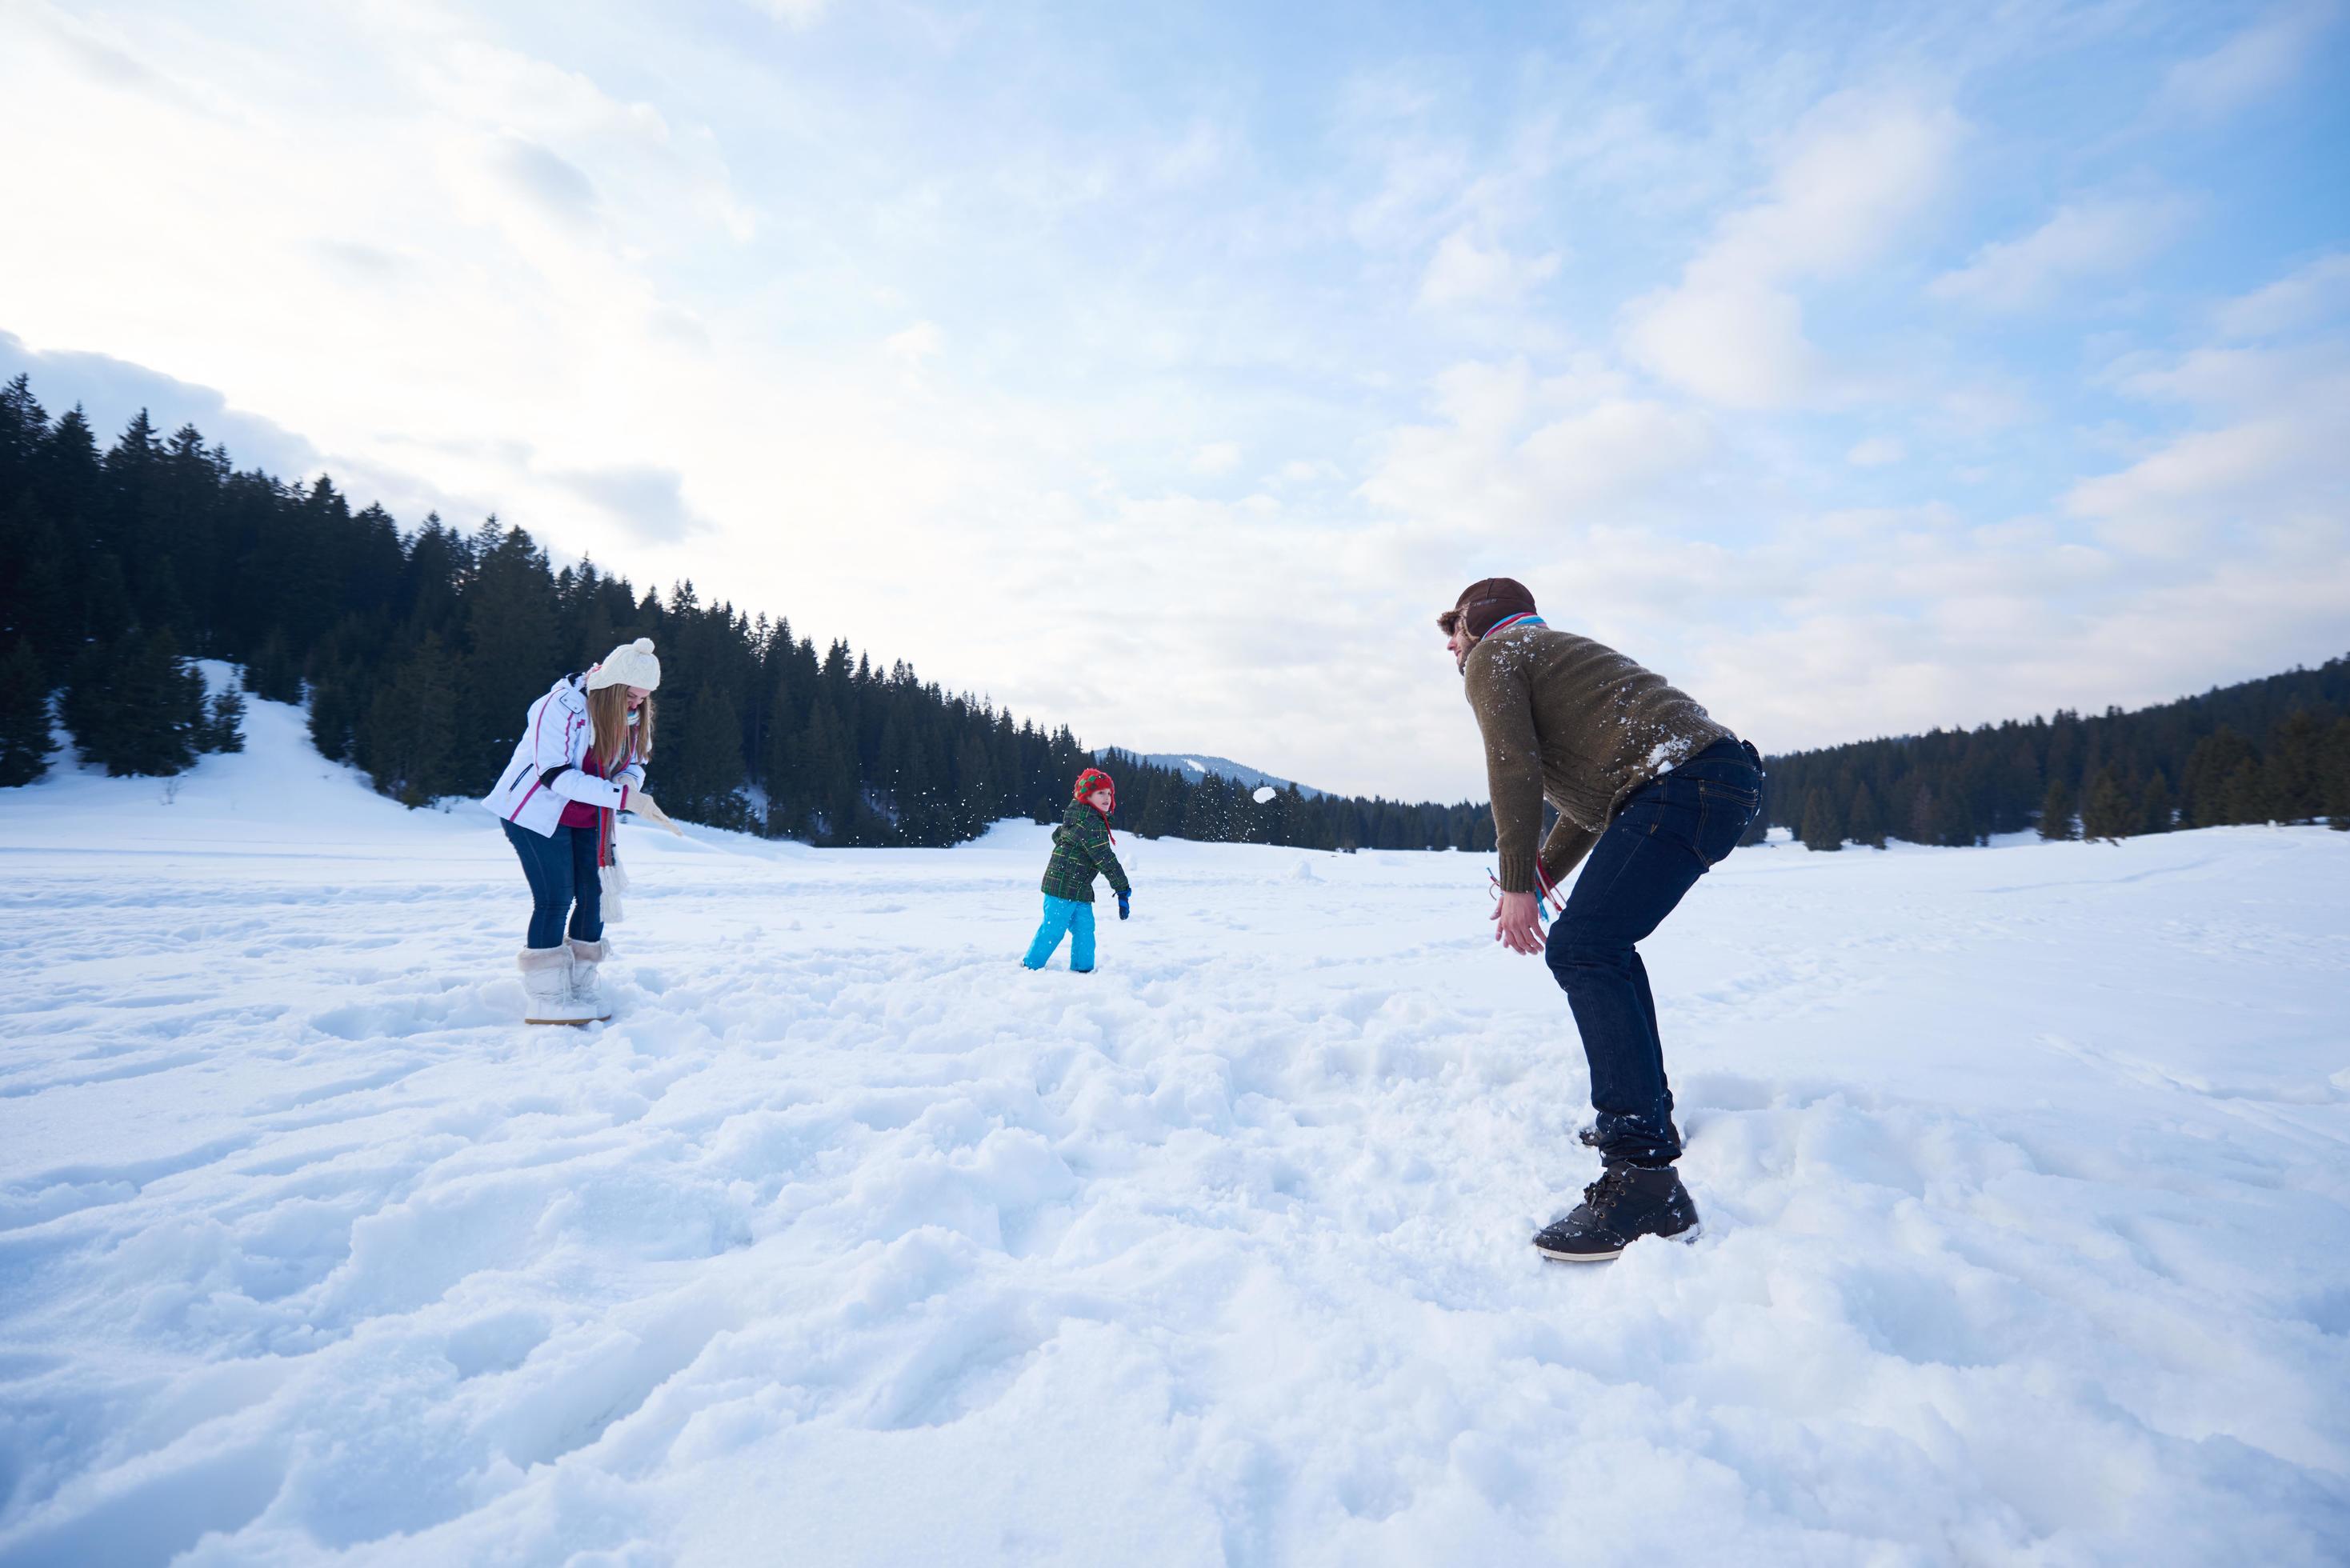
[(1861, 369)]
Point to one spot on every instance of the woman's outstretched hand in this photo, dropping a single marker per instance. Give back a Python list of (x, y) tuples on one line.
[(1515, 926), (649, 808)]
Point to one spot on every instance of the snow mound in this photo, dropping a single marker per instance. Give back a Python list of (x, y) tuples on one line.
[(849, 1241)]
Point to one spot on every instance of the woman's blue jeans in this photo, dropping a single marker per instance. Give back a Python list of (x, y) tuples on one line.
[(1670, 833), (1064, 915), (564, 880)]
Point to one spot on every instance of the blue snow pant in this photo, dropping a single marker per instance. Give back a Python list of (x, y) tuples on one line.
[(564, 880), (1069, 916), (1670, 832)]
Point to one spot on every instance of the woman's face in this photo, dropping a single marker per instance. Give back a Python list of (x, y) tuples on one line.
[(637, 695)]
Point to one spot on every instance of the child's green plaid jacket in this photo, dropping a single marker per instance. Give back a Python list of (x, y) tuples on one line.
[(1081, 851)]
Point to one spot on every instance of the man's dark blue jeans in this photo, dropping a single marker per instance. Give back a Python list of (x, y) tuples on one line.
[(564, 880), (1670, 832)]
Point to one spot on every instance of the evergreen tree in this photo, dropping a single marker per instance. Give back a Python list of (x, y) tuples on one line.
[(974, 787), (822, 783), (25, 743), (2211, 767), (134, 705), (703, 771), (2245, 796), (1161, 815), (510, 621), (1924, 810), (408, 744), (37, 603), (338, 704), (106, 611), (2056, 811), (99, 553), (1821, 828), (2155, 810), (24, 426), (775, 766), (2336, 788), (1957, 786), (2108, 813), (68, 477), (1863, 823), (1961, 814), (224, 729), (2293, 768), (274, 673)]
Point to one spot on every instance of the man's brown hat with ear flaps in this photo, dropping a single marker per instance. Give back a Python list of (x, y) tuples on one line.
[(1485, 604)]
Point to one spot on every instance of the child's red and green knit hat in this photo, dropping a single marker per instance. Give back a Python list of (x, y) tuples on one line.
[(1091, 780)]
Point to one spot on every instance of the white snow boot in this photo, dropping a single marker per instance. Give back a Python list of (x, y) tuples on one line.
[(584, 957), (546, 987)]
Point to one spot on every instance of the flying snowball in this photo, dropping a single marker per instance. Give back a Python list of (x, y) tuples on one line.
[(1264, 795)]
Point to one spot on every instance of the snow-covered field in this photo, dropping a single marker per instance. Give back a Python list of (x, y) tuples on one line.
[(849, 1241)]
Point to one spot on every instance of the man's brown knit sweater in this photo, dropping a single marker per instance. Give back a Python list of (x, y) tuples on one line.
[(1578, 724)]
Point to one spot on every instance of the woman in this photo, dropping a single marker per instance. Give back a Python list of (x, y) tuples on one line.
[(580, 761)]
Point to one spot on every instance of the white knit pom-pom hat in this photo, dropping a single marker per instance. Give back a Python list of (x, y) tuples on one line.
[(631, 664)]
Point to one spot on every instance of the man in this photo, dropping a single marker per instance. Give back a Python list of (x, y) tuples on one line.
[(1654, 794)]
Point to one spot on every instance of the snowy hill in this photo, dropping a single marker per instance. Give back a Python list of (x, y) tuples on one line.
[(849, 1241), (1201, 765)]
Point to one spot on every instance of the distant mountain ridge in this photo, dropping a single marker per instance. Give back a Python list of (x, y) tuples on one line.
[(1198, 764)]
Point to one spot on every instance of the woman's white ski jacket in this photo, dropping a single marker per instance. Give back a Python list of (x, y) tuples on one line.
[(545, 771)]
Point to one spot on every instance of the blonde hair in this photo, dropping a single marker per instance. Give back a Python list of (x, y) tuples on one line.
[(607, 711)]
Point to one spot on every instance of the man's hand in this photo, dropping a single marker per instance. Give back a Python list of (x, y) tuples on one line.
[(1515, 924)]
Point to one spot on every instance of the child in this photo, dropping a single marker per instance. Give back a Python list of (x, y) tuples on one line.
[(1082, 848)]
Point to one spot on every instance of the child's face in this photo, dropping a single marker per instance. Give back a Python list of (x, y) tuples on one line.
[(1100, 800)]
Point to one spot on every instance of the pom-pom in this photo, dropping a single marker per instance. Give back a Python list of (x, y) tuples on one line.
[(644, 645)]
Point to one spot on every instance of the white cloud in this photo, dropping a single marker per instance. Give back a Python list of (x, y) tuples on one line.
[(1876, 452), (923, 340), (1305, 471), (2252, 65), (648, 504), (1206, 150), (1514, 453), (1740, 344), (1464, 274), (1982, 408), (2167, 503), (1217, 457), (552, 181), (2316, 294), (746, 253), (2081, 241), (2267, 454), (797, 12), (1856, 170)]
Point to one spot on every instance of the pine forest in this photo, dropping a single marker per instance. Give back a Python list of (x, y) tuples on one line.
[(418, 651)]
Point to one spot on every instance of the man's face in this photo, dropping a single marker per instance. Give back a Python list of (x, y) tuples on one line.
[(1458, 642)]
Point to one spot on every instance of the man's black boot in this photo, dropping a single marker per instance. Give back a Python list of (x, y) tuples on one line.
[(1589, 1136), (1627, 1202)]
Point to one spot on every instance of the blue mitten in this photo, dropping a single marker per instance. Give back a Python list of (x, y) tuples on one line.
[(1125, 907)]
